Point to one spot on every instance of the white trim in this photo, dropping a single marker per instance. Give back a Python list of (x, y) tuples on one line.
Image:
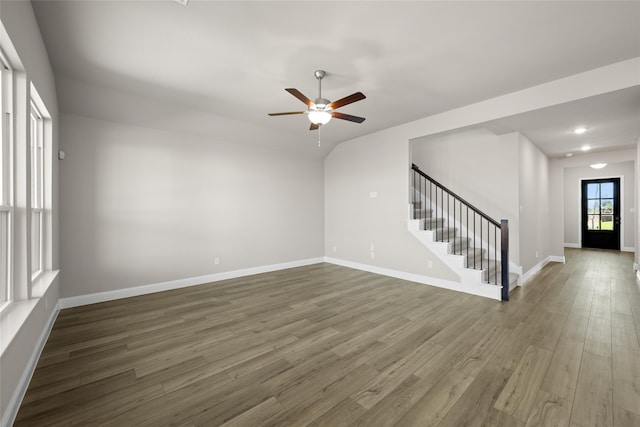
[(180, 283), (572, 245), (628, 249), (536, 268), (480, 289), (555, 258), (14, 404)]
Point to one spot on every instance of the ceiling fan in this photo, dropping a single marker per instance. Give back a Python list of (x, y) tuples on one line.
[(322, 110)]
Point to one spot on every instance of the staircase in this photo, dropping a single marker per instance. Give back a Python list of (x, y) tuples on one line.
[(470, 242)]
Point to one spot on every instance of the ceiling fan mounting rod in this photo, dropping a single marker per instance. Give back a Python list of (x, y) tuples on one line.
[(320, 75)]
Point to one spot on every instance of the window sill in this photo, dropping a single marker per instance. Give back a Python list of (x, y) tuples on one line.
[(40, 285), (15, 313)]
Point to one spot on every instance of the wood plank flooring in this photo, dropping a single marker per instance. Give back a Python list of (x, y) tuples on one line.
[(324, 345)]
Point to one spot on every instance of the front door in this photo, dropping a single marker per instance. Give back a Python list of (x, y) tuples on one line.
[(601, 213)]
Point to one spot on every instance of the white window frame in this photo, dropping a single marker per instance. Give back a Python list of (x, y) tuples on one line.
[(36, 144), (6, 169)]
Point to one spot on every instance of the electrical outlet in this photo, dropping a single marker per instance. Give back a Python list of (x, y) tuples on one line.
[(216, 261), (536, 254)]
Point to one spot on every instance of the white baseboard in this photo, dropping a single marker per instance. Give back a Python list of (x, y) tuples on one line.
[(11, 412), (180, 283), (572, 245), (488, 291), (555, 258), (539, 266), (447, 284)]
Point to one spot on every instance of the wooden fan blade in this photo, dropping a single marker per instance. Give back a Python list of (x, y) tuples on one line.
[(358, 96), (349, 117), (314, 126), (300, 96), (287, 113)]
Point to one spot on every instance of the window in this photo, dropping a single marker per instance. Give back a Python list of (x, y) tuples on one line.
[(5, 180), (37, 191), (26, 182)]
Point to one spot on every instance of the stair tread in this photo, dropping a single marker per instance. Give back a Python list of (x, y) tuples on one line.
[(460, 242)]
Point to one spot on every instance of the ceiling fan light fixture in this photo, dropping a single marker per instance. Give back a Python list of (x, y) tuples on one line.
[(319, 117), (322, 110)]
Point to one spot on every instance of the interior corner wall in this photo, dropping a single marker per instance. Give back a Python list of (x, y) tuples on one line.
[(534, 205), (481, 167), (637, 203), (21, 31), (367, 207), (142, 206), (572, 200)]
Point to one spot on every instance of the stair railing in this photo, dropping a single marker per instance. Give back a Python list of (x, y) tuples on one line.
[(441, 209)]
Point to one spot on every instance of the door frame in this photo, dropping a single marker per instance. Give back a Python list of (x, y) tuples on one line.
[(622, 217)]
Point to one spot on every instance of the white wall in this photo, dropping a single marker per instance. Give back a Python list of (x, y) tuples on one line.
[(572, 200), (338, 170), (143, 206), (354, 220), (480, 167), (533, 169), (19, 28), (506, 176)]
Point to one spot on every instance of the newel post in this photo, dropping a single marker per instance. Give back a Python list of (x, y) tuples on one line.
[(504, 257)]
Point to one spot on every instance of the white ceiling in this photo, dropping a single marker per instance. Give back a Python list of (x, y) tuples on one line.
[(217, 68)]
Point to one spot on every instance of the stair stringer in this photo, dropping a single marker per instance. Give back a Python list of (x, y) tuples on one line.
[(513, 267), (470, 279)]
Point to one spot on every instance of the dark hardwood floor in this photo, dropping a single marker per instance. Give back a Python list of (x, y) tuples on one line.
[(326, 345)]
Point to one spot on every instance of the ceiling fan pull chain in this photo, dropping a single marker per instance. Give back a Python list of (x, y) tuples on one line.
[(319, 129)]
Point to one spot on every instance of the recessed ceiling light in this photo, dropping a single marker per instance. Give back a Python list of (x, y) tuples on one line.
[(585, 148), (569, 154), (598, 165), (579, 130), (182, 2)]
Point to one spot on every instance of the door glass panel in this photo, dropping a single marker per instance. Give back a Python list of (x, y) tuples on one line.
[(606, 208), (593, 191), (593, 222), (606, 222), (606, 190), (593, 206)]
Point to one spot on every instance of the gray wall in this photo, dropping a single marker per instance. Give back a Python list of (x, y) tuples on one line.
[(533, 179), (637, 201), (142, 206)]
